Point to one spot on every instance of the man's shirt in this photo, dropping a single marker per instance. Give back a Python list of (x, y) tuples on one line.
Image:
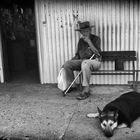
[(83, 51)]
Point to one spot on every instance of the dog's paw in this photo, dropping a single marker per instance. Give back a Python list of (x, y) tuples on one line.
[(93, 115), (123, 125)]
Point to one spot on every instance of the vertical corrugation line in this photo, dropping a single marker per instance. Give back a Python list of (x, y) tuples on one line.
[(1, 60), (38, 32), (116, 22)]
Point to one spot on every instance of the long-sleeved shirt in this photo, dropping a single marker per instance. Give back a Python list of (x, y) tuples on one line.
[(83, 51)]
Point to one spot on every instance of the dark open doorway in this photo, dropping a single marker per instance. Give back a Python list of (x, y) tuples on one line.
[(19, 41)]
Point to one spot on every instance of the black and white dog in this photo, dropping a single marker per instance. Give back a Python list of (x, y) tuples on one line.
[(119, 113)]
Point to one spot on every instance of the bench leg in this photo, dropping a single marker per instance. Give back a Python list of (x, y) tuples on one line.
[(135, 80), (136, 83), (133, 86), (80, 82)]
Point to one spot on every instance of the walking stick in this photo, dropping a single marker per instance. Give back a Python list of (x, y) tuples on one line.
[(64, 94)]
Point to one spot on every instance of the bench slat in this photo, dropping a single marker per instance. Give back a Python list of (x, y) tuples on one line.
[(114, 55), (113, 72)]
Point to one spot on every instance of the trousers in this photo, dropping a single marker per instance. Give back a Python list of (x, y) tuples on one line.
[(87, 66)]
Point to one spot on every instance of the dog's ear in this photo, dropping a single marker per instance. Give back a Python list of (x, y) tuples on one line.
[(99, 110)]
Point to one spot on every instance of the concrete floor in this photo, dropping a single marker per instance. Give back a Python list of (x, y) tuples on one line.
[(31, 111)]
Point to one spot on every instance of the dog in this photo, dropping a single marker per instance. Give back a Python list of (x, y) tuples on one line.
[(119, 113)]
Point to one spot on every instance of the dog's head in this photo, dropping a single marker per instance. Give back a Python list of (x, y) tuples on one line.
[(108, 121)]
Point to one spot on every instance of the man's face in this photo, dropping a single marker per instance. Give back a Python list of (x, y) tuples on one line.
[(85, 32)]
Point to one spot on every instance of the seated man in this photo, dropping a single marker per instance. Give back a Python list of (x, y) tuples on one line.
[(88, 45)]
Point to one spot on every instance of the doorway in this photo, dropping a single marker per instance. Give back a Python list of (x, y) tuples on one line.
[(19, 41)]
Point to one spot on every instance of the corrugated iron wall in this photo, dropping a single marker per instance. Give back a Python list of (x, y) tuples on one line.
[(1, 61), (117, 22)]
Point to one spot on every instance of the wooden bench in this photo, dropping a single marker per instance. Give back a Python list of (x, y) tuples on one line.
[(119, 57)]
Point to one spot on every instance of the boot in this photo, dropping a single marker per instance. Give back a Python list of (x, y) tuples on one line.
[(85, 93)]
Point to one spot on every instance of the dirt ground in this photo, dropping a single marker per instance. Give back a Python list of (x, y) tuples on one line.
[(40, 112)]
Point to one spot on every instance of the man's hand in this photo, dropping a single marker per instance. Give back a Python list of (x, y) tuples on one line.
[(91, 46), (87, 39)]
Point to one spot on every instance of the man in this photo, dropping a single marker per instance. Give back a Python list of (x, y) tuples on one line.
[(88, 45)]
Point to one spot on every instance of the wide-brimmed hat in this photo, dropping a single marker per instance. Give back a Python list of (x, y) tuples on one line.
[(84, 25)]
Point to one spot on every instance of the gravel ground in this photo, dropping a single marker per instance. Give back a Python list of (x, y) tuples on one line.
[(35, 111)]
